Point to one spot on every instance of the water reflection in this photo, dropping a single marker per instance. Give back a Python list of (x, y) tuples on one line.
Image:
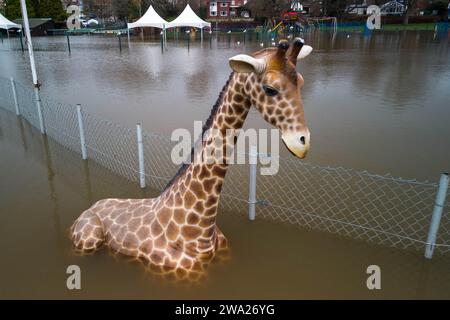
[(88, 185), (22, 133)]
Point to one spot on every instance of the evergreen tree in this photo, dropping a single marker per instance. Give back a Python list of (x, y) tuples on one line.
[(35, 5), (14, 11), (52, 9), (121, 8)]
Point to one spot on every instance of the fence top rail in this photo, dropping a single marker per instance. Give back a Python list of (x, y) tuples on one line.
[(366, 173)]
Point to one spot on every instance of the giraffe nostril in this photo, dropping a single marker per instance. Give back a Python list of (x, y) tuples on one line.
[(302, 139)]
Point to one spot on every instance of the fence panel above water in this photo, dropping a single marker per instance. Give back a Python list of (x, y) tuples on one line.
[(379, 209)]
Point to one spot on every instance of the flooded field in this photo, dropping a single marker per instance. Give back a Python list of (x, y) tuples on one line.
[(378, 103)]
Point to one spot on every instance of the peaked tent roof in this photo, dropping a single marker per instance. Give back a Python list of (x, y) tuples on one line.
[(188, 18), (150, 19), (6, 24)]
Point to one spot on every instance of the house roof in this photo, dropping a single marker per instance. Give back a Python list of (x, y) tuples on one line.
[(34, 22)]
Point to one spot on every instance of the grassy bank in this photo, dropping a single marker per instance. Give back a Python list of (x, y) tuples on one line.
[(384, 27)]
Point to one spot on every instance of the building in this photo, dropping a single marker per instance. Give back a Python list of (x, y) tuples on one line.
[(309, 8), (393, 8), (389, 8), (226, 10), (38, 26)]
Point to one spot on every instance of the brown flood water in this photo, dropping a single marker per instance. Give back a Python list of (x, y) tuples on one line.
[(378, 103), (44, 187)]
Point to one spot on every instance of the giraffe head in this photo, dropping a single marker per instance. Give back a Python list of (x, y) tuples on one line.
[(273, 87)]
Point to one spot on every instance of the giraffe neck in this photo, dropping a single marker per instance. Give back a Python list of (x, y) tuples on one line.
[(196, 188)]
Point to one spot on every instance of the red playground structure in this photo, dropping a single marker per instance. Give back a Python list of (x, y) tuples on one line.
[(292, 17)]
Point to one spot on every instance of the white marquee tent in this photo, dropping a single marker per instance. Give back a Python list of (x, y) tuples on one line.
[(6, 24), (150, 19), (188, 18)]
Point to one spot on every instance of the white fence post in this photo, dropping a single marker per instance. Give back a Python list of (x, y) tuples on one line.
[(82, 138), (16, 101), (253, 159), (140, 144), (437, 214), (39, 110)]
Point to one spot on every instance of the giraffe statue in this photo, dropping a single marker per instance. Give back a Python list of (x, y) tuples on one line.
[(177, 230)]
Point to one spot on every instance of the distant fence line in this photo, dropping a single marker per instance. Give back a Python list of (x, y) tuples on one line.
[(263, 35), (379, 209)]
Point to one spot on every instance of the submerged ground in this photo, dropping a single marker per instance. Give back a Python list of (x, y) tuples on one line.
[(374, 103)]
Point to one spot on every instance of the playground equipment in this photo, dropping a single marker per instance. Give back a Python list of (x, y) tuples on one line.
[(294, 13), (292, 19), (295, 20)]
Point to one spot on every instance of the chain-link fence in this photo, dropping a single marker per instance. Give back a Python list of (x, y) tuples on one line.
[(379, 209)]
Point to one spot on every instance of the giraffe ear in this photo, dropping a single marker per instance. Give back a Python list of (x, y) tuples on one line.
[(245, 64), (304, 52)]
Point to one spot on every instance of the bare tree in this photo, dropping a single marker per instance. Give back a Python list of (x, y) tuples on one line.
[(267, 8), (101, 8), (161, 6), (333, 8), (121, 8), (410, 6)]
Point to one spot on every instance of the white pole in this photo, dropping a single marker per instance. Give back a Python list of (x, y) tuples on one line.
[(165, 36), (253, 158), (140, 143), (436, 217), (201, 34), (26, 26), (82, 137), (16, 101)]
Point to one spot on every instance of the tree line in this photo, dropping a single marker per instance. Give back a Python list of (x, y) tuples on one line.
[(132, 9), (36, 8), (263, 9), (103, 9)]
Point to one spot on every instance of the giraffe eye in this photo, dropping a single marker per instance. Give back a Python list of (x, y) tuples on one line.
[(271, 92)]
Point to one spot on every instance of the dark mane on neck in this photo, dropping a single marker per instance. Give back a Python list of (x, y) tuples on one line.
[(206, 126)]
